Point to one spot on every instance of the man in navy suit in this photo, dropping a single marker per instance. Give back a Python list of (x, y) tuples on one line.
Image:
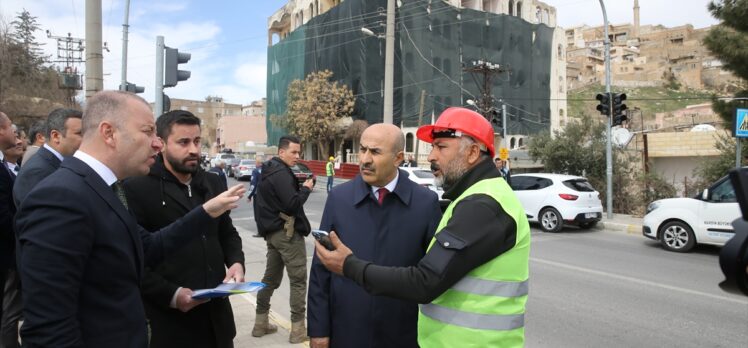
[(7, 208), (81, 253), (63, 134)]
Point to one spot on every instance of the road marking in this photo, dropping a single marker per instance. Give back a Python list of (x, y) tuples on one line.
[(637, 280)]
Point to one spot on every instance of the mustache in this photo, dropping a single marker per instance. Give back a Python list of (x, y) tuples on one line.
[(191, 158), (366, 166), (434, 167)]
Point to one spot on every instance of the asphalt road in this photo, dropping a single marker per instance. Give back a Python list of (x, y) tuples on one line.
[(590, 289)]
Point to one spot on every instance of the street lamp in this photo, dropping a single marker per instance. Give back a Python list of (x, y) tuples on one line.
[(389, 61)]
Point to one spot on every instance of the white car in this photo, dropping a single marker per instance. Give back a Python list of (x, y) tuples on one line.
[(555, 199), (681, 223), (423, 177), (225, 157)]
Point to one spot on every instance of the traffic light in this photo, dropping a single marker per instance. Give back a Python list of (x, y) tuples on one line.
[(133, 88), (167, 102), (496, 120), (172, 59), (604, 106), (619, 109)]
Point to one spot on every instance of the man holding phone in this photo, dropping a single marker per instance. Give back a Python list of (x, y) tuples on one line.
[(279, 209), (387, 217)]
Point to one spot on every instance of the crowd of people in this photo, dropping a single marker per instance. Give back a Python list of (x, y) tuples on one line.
[(109, 223)]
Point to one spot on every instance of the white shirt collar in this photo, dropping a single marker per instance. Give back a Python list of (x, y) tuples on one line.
[(390, 186), (12, 166), (53, 151), (104, 172)]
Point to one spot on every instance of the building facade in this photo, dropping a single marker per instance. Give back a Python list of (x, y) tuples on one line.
[(434, 42)]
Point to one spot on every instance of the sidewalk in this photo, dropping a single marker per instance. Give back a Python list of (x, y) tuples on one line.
[(621, 223), (244, 316)]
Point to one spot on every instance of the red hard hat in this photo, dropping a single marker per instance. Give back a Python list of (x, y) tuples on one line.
[(464, 121)]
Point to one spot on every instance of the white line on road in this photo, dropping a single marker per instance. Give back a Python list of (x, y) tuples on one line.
[(638, 281)]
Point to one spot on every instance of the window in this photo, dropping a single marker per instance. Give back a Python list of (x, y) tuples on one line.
[(580, 185), (528, 183), (561, 52), (722, 193), (511, 7), (409, 142)]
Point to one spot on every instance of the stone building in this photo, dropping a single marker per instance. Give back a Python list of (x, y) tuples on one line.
[(645, 55)]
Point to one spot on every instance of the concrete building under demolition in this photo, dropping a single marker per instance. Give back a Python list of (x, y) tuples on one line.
[(434, 41)]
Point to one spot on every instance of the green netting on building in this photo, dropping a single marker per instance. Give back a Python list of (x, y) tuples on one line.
[(433, 42)]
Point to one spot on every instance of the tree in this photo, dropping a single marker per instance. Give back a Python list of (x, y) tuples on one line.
[(579, 149), (728, 41), (314, 107)]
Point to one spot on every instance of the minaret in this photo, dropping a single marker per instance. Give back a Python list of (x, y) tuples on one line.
[(636, 19)]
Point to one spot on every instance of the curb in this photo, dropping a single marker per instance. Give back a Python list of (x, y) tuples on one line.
[(634, 229)]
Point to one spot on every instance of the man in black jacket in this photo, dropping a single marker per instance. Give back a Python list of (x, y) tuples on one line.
[(282, 222), (175, 185)]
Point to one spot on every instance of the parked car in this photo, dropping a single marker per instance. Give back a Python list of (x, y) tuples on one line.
[(423, 177), (302, 172), (232, 166), (225, 157), (681, 223), (244, 170), (555, 200)]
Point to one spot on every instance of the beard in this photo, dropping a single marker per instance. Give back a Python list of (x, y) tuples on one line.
[(182, 166), (450, 173)]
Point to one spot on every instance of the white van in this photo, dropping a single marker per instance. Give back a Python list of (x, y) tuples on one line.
[(681, 223)]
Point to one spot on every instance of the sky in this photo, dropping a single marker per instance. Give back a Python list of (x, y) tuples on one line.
[(228, 38)]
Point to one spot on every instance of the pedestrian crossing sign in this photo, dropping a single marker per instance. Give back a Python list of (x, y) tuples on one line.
[(741, 123)]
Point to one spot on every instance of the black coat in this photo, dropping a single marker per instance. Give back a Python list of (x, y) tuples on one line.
[(157, 200), (7, 212), (80, 258), (280, 192)]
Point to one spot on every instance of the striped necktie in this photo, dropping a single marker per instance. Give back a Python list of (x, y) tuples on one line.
[(120, 192)]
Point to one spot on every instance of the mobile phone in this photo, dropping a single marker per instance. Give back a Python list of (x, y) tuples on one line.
[(324, 238)]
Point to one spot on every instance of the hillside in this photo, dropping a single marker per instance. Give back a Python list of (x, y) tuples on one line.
[(650, 100)]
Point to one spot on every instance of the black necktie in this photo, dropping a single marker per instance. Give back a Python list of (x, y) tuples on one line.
[(120, 192)]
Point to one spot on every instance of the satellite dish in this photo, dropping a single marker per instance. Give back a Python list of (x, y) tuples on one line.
[(621, 136), (703, 128)]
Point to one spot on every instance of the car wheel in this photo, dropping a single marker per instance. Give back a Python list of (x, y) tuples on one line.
[(550, 220), (587, 225), (677, 236)]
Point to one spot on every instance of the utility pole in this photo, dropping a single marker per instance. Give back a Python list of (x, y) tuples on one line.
[(609, 146), (487, 70), (158, 103), (389, 63), (94, 57), (420, 115), (69, 52), (125, 27)]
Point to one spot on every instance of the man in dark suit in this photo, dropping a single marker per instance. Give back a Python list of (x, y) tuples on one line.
[(81, 253), (369, 213), (63, 134), (9, 287), (175, 185), (7, 208), (63, 129), (220, 169)]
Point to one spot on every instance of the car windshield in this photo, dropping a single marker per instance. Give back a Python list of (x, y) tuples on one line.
[(423, 174), (580, 185), (246, 161), (302, 167), (228, 156)]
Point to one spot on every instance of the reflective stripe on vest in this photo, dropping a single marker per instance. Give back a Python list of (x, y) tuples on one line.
[(486, 287), (473, 320)]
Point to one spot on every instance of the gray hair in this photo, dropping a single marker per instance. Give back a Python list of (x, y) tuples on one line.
[(56, 121), (466, 141), (37, 128), (107, 105)]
